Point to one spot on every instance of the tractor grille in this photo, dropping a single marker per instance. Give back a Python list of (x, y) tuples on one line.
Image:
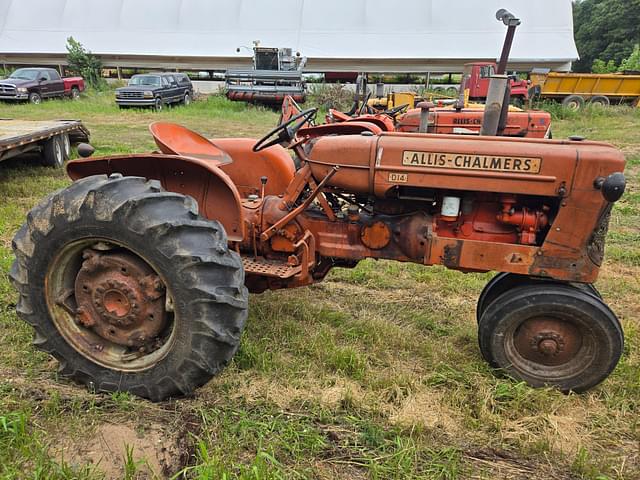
[(131, 94), (6, 89)]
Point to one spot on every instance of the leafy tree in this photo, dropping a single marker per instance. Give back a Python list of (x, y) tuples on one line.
[(83, 62), (632, 62), (600, 66), (606, 30)]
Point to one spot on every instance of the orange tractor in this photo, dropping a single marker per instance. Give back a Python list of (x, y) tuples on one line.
[(432, 119), (136, 276)]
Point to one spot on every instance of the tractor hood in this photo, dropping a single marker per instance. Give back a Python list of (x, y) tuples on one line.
[(381, 165)]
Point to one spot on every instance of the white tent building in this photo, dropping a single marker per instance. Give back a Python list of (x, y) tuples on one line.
[(335, 35)]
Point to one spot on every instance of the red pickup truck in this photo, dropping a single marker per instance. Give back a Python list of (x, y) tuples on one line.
[(36, 84)]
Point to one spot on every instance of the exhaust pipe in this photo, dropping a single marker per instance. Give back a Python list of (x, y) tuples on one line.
[(497, 104), (493, 106)]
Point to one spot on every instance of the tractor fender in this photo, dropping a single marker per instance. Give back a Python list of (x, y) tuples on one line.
[(217, 196)]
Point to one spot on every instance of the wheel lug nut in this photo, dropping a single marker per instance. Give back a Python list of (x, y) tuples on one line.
[(548, 347)]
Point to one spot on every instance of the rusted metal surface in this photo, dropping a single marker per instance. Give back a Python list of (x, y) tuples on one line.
[(526, 206), (174, 139), (547, 341), (261, 266), (530, 124), (512, 23), (445, 120), (249, 167), (376, 235), (120, 298), (595, 247), (214, 191), (344, 128)]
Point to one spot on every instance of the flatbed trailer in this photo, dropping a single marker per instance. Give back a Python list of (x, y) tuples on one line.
[(51, 138)]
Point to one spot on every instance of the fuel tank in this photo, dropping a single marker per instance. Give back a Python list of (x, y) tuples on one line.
[(381, 165)]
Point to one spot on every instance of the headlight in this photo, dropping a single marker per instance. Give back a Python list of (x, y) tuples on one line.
[(22, 90), (117, 94), (148, 94)]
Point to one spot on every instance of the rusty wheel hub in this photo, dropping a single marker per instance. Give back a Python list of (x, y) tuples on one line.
[(120, 298), (547, 341)]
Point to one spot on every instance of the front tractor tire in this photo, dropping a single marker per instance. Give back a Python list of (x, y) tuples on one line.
[(128, 288), (503, 282), (551, 334)]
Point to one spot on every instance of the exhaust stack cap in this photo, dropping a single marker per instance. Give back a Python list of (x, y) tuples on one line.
[(509, 19)]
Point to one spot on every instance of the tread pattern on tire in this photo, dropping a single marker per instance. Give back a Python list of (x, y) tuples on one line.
[(213, 298), (503, 282)]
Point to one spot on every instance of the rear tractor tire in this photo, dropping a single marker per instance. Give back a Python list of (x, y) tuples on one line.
[(551, 335), (128, 288)]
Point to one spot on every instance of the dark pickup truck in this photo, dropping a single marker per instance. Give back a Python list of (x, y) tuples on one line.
[(155, 90), (35, 84)]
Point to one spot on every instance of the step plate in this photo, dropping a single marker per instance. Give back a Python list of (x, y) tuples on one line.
[(269, 268)]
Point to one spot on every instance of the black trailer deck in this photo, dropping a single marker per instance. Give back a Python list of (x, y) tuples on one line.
[(18, 137)]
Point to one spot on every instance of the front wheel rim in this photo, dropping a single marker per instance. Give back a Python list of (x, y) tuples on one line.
[(106, 308), (550, 347)]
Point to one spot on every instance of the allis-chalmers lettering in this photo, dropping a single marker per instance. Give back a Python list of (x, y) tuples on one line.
[(471, 162), (467, 121)]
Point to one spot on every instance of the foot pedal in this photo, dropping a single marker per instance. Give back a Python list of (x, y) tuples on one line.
[(269, 268)]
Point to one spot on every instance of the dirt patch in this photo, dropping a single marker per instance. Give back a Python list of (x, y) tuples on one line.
[(491, 463), (427, 409), (566, 432), (156, 452), (252, 389)]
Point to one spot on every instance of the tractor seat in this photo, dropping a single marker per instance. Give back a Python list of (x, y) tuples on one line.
[(174, 139)]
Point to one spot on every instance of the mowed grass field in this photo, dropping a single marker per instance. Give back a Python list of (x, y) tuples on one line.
[(374, 373)]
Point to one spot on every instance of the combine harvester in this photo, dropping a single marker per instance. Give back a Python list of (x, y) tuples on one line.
[(276, 73)]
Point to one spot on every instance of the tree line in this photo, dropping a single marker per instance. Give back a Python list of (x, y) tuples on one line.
[(607, 34)]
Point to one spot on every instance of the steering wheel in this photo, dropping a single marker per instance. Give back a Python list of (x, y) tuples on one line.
[(396, 110), (285, 132)]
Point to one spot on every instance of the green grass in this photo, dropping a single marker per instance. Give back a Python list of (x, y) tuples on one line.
[(374, 373)]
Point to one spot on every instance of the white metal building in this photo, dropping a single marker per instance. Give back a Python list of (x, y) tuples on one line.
[(335, 35)]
